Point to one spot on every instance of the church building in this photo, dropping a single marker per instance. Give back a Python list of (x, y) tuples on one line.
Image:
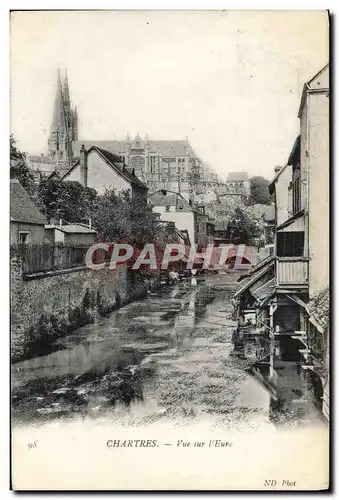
[(64, 128), (159, 164)]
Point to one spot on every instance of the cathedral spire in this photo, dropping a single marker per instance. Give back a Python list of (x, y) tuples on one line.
[(75, 124), (66, 89), (64, 124), (58, 121)]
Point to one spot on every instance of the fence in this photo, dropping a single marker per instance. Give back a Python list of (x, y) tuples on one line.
[(44, 258)]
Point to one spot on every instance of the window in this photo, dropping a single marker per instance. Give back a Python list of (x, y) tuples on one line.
[(296, 191), (152, 164), (168, 208), (290, 244), (24, 237), (181, 165)]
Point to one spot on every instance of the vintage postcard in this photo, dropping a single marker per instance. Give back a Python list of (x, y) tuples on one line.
[(169, 250)]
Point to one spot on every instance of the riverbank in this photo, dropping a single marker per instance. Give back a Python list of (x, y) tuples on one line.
[(48, 307), (124, 358)]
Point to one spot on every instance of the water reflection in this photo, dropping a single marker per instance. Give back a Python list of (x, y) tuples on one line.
[(292, 400), (170, 355)]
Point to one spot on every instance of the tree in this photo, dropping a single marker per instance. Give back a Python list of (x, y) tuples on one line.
[(259, 191), (110, 217), (67, 200), (145, 224), (241, 227), (118, 216), (19, 169)]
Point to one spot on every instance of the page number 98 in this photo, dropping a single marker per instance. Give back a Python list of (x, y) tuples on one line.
[(32, 445)]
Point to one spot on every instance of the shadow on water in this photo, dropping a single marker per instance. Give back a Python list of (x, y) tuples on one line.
[(174, 346), (202, 299), (117, 379), (292, 400), (99, 363)]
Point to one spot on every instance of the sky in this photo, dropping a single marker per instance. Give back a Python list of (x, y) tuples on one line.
[(230, 81)]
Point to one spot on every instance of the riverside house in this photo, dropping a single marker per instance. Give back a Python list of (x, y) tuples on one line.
[(286, 308), (100, 169), (173, 207)]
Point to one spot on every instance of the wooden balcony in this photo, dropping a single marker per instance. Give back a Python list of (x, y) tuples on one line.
[(292, 272)]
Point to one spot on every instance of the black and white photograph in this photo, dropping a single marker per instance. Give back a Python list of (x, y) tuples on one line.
[(170, 250)]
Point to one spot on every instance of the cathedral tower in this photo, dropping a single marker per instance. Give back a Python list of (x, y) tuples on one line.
[(64, 128)]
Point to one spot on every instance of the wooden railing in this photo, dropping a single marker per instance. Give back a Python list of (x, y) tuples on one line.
[(292, 271)]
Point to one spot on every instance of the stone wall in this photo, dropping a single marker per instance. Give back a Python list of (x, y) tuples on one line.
[(50, 306)]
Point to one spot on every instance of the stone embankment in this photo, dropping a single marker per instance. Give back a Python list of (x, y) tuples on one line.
[(47, 306)]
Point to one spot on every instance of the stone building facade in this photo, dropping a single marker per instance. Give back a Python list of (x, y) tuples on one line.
[(236, 189), (160, 164)]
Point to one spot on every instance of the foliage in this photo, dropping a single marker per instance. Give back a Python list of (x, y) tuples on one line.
[(242, 228), (67, 200), (259, 191), (123, 218), (19, 169)]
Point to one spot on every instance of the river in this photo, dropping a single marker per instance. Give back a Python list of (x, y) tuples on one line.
[(169, 356)]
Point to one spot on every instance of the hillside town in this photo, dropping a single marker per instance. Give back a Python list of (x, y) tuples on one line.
[(119, 335)]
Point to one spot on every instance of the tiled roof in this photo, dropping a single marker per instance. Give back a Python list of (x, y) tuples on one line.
[(248, 282), (164, 198), (265, 211), (262, 263), (319, 309), (72, 228), (116, 163), (260, 292), (22, 208), (165, 148), (41, 159), (61, 170), (237, 176)]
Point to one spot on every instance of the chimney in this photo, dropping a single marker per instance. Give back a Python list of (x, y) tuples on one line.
[(60, 223), (83, 166), (90, 223)]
